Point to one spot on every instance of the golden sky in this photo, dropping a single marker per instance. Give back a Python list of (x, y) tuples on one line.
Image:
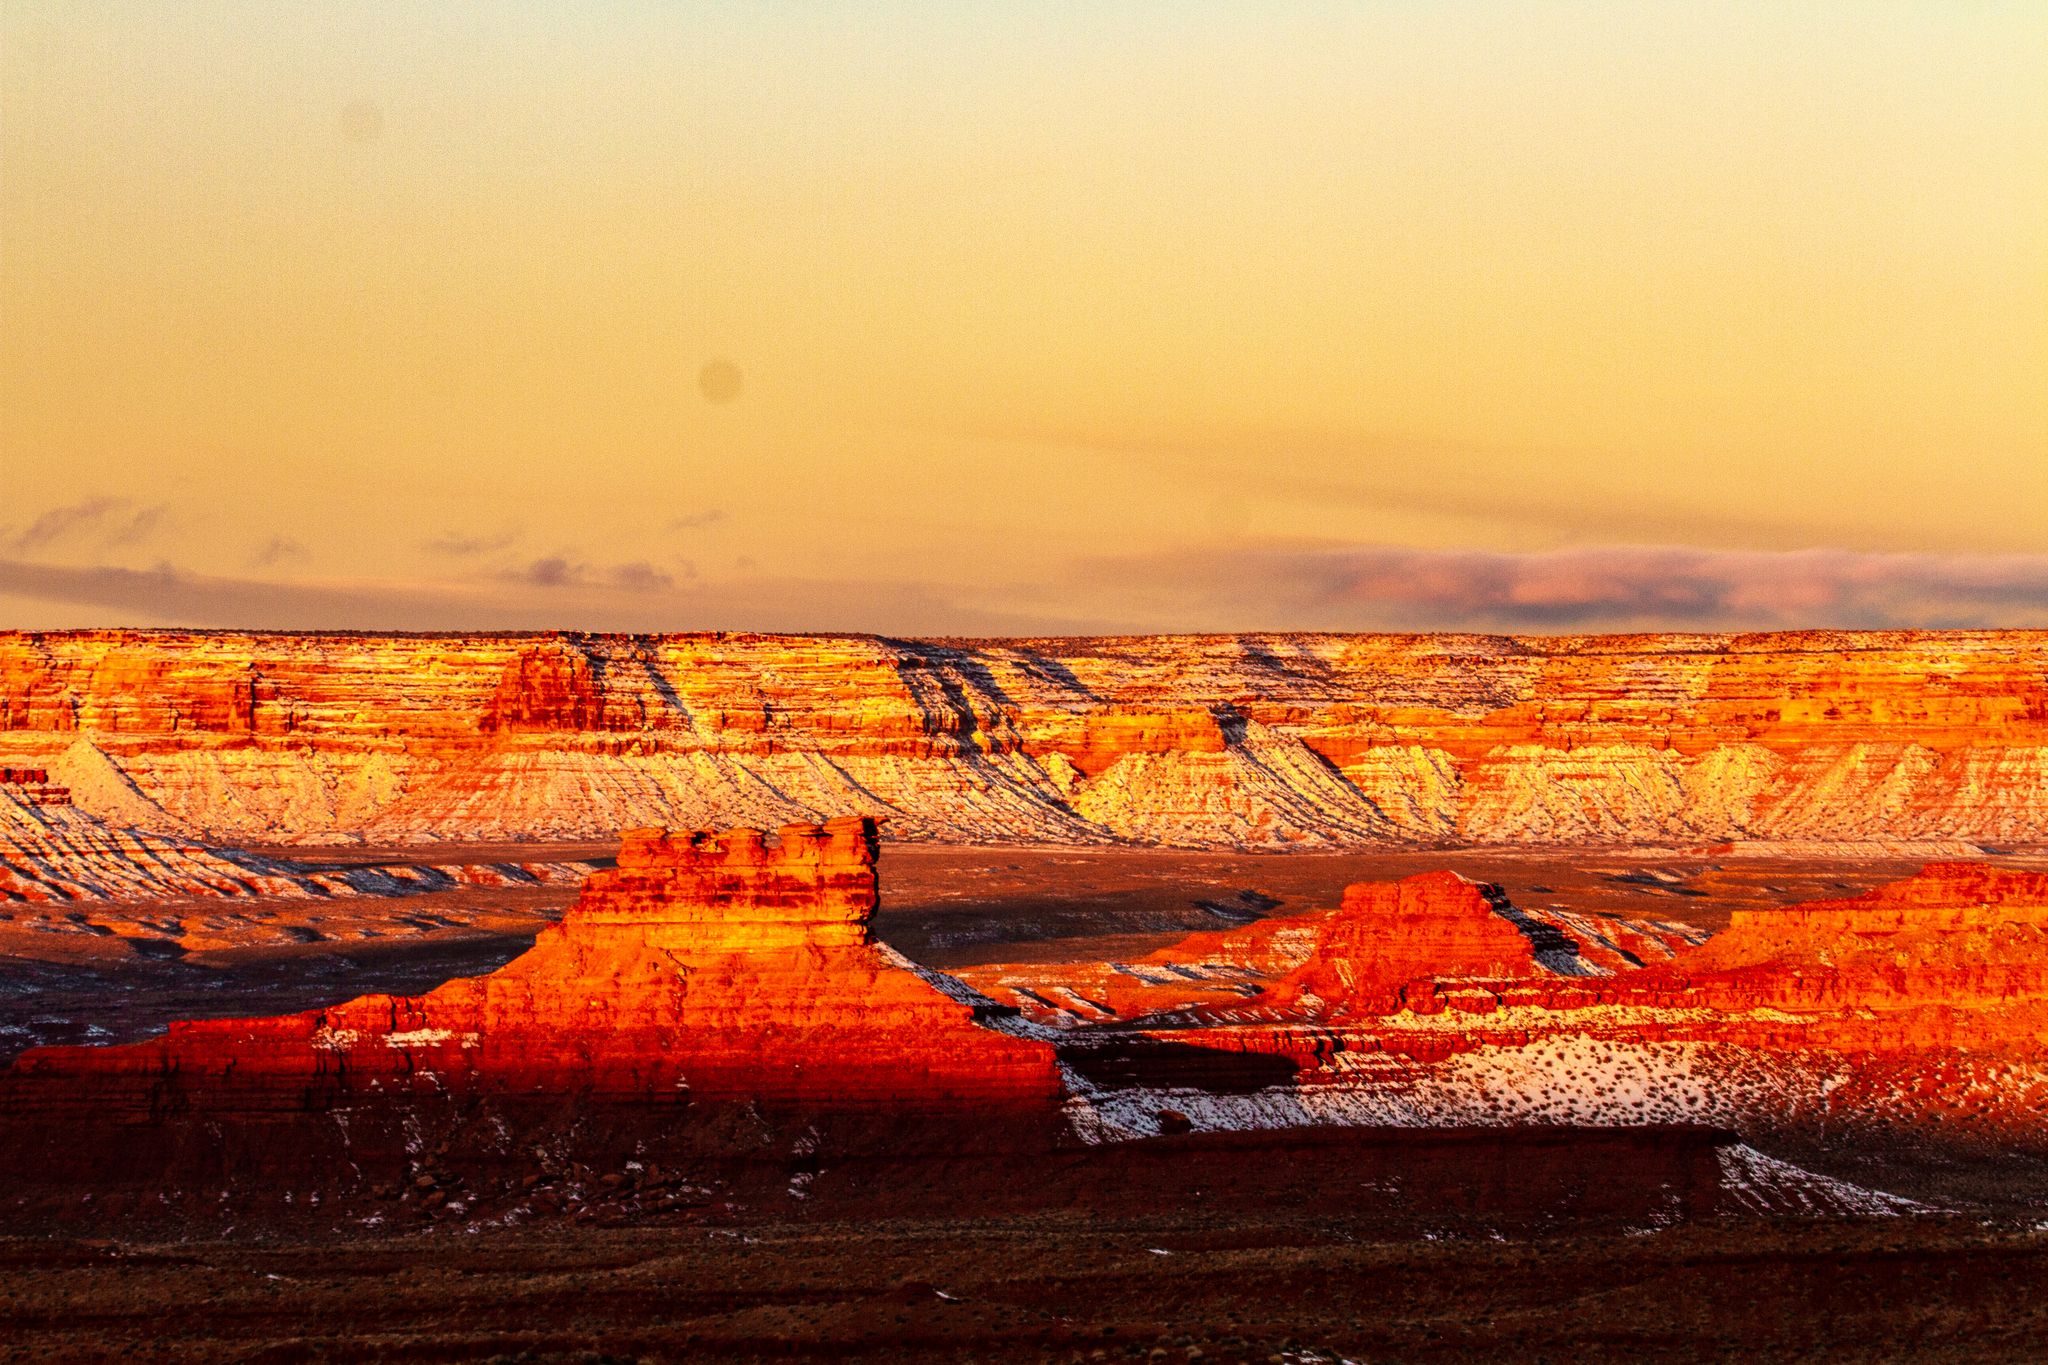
[(976, 317)]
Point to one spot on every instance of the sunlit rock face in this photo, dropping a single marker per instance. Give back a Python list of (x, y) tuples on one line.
[(1248, 741), (1956, 956), (1386, 934), (1384, 948), (706, 973), (714, 964)]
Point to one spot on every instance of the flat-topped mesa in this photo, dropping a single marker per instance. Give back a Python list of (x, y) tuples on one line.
[(1210, 741), (1424, 944), (1941, 897), (733, 891)]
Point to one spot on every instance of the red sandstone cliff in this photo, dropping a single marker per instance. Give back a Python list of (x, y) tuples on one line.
[(1956, 955), (1387, 934), (1245, 740)]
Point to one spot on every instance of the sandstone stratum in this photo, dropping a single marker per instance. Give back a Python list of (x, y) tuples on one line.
[(1256, 741), (77, 890)]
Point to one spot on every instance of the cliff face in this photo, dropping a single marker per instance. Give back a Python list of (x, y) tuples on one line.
[(1239, 740), (719, 998), (1385, 949), (1958, 953)]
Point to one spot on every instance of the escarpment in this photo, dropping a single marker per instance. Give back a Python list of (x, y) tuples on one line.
[(1248, 741)]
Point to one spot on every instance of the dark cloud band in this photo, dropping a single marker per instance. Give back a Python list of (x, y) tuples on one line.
[(1606, 588)]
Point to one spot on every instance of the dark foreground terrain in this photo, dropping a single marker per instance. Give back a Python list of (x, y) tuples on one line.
[(1173, 1285)]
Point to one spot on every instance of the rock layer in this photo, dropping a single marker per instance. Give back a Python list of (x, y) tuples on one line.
[(1384, 945), (1270, 740), (56, 856)]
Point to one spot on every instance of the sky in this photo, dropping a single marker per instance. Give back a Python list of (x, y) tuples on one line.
[(973, 318)]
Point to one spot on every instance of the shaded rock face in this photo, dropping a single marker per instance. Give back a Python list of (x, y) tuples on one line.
[(1251, 741), (707, 975)]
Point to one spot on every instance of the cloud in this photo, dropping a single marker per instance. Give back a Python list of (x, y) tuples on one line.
[(73, 596), (64, 523), (1506, 490), (1270, 588), (468, 547), (558, 571), (696, 521), (108, 522), (551, 572), (640, 576), (280, 549), (1584, 589), (137, 528)]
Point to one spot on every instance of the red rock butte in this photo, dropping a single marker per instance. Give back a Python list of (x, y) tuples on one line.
[(1916, 1012), (1956, 955), (706, 970)]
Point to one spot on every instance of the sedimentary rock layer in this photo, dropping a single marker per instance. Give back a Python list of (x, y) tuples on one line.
[(1193, 740), (1384, 943)]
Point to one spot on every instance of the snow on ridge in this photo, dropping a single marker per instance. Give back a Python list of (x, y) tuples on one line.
[(1759, 1183)]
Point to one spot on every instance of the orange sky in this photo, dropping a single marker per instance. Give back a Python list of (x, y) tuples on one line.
[(976, 317)]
